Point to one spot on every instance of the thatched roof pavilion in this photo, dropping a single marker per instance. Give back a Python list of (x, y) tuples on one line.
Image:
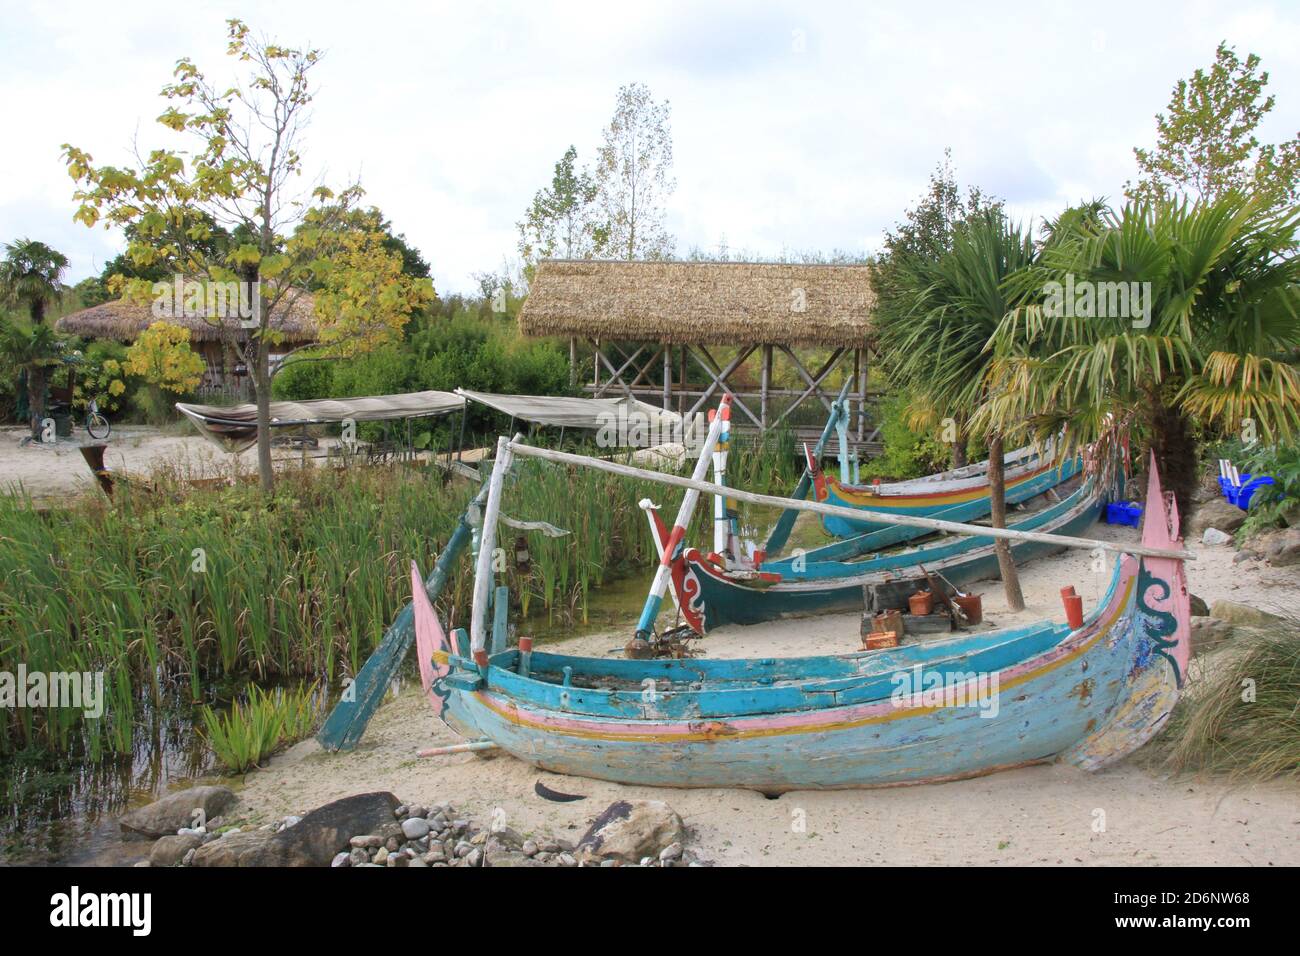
[(124, 320), (710, 303), (684, 309)]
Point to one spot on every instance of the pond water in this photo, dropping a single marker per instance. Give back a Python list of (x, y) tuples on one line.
[(64, 811)]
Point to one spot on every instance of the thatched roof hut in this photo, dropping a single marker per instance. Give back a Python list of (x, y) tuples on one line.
[(124, 320), (701, 303)]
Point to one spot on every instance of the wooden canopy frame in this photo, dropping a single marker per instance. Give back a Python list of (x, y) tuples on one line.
[(658, 373)]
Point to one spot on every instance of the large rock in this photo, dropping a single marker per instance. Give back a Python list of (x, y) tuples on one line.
[(1243, 615), (1215, 513), (176, 811), (170, 850), (317, 837), (246, 848), (631, 829), (1283, 549)]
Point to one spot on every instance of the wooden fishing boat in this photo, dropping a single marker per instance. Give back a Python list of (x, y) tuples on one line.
[(960, 494), (942, 710), (710, 594)]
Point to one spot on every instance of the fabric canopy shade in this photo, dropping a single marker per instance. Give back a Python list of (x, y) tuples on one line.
[(563, 412), (234, 428)]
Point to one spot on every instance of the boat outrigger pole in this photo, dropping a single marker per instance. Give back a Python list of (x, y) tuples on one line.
[(838, 418), (916, 521)]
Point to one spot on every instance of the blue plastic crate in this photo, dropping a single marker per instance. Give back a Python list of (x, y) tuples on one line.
[(1240, 496), (1125, 513)]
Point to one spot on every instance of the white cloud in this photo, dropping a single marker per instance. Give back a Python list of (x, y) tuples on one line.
[(795, 126)]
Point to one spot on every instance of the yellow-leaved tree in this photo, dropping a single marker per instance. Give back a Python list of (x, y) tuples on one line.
[(162, 357), (223, 211)]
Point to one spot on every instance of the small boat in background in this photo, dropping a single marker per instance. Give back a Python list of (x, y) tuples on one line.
[(960, 494), (710, 593)]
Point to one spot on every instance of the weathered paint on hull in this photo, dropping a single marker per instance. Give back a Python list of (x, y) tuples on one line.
[(1060, 701), (964, 505), (720, 600)]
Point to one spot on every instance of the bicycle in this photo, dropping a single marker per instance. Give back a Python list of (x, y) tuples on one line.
[(97, 425)]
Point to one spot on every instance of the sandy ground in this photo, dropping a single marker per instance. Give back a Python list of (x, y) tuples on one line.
[(57, 470), (52, 472), (1038, 815)]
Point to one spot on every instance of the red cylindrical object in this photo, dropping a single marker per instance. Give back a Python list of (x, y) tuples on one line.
[(525, 644), (1067, 591), (1073, 610), (481, 658)]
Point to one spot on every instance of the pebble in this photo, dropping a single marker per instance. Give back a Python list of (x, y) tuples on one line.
[(382, 856), (290, 821), (529, 848), (367, 841), (672, 851), (359, 856), (463, 849), (418, 811), (567, 859), (435, 856), (475, 857), (400, 811), (341, 859), (415, 827)]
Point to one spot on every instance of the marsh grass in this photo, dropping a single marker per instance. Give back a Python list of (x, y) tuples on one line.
[(172, 587), (1242, 717), (243, 736)]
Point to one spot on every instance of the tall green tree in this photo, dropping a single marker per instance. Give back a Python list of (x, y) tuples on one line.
[(634, 176), (915, 245), (561, 220), (31, 277), (241, 176), (936, 341), (1208, 338), (1206, 142)]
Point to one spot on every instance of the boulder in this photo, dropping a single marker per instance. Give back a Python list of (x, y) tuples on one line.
[(631, 829), (1213, 536), (1208, 632), (1199, 607), (327, 830), (1243, 615), (1216, 513), (176, 811), (1284, 549), (170, 850), (248, 848)]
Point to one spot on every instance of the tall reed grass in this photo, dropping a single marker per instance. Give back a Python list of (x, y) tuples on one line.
[(170, 589), (1243, 716)]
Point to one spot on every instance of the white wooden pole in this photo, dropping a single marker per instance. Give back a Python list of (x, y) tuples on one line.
[(483, 574), (856, 514), (720, 524), (653, 601)]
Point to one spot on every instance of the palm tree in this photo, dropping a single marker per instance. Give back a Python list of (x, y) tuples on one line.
[(32, 350), (31, 275), (936, 346), (1211, 342)]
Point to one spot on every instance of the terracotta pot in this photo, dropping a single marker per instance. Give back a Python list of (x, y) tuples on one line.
[(921, 603), (891, 621)]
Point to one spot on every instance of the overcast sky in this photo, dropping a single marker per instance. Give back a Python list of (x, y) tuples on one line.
[(796, 126)]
